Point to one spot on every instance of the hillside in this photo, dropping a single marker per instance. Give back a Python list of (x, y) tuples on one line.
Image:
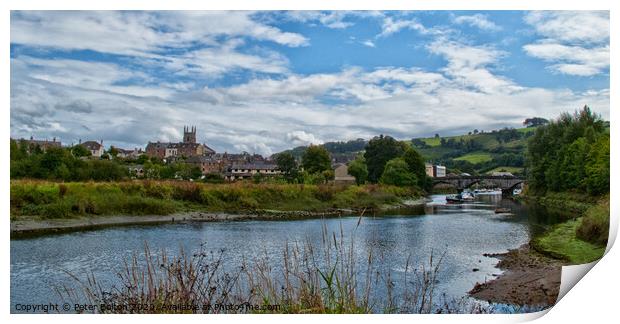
[(475, 153), (498, 150)]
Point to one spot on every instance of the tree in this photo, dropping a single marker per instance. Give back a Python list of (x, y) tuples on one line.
[(79, 151), (535, 121), (316, 159), (113, 151), (561, 154), (288, 165), (397, 173), (415, 164), (379, 151), (358, 169)]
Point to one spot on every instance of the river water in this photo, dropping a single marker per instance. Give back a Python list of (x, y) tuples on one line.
[(461, 233)]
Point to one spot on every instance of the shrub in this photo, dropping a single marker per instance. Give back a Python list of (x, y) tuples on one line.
[(594, 227)]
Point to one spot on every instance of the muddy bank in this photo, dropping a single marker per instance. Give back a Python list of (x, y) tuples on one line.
[(529, 278), (30, 227)]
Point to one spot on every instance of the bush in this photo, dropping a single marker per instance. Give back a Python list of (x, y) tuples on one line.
[(594, 227)]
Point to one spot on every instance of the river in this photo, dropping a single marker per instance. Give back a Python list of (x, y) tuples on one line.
[(461, 233)]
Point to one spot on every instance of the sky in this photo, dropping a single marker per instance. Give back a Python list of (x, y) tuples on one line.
[(266, 81)]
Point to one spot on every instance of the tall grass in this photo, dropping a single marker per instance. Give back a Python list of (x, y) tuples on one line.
[(594, 226), (306, 279), (62, 200)]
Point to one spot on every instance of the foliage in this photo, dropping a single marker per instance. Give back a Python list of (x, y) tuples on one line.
[(570, 153), (535, 121), (316, 159), (397, 173), (379, 151), (594, 227), (288, 165), (358, 169), (416, 165), (143, 197)]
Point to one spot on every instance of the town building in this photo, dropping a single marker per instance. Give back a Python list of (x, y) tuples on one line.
[(341, 174), (95, 149), (207, 164), (187, 148), (429, 170), (435, 171), (128, 154), (249, 170), (42, 144)]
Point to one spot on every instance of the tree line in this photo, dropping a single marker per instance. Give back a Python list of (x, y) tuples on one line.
[(570, 154), (74, 164), (385, 160)]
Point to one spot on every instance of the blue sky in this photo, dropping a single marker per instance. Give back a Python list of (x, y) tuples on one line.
[(266, 81)]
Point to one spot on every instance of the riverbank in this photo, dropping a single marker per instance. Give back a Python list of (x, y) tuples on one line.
[(582, 237), (33, 226), (45, 200), (529, 278)]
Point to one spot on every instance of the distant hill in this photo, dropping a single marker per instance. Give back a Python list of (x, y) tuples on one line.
[(340, 151), (475, 153)]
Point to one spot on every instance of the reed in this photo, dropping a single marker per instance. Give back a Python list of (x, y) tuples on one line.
[(328, 278)]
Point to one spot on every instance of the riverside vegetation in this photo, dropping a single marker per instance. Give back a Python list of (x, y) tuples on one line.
[(49, 200), (569, 165)]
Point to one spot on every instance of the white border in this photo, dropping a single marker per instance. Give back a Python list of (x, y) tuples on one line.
[(594, 299)]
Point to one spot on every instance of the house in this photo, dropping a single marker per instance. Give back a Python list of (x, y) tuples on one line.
[(430, 171), (95, 149), (248, 170), (341, 174), (435, 171), (129, 154), (43, 144), (439, 171), (189, 147), (207, 164)]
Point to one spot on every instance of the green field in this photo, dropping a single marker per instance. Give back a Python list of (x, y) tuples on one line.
[(513, 170), (476, 157)]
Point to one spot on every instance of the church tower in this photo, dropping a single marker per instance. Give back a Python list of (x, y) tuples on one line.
[(189, 134)]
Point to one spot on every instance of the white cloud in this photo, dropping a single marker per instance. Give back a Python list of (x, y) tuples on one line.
[(478, 20), (575, 43), (368, 43), (338, 19), (391, 26), (210, 40), (574, 60), (298, 138), (571, 26)]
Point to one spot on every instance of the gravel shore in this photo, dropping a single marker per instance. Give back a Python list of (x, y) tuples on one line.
[(529, 278)]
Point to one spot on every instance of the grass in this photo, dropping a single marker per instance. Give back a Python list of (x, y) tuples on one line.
[(46, 200), (304, 279), (513, 170), (475, 158), (561, 242)]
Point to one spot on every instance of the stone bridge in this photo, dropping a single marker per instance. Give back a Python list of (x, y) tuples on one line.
[(506, 183)]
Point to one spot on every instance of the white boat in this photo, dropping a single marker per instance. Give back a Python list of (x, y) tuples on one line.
[(488, 191)]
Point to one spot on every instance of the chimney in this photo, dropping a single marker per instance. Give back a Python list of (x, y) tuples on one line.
[(80, 141), (31, 138), (54, 139)]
